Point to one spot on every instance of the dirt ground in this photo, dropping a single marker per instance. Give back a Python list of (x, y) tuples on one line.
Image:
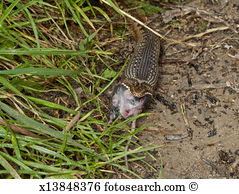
[(203, 83)]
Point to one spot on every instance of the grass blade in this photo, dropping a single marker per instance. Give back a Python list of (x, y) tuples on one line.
[(45, 129), (8, 85), (83, 14), (76, 17), (109, 2), (9, 168), (8, 11), (19, 163), (42, 51), (33, 27), (40, 71), (51, 104)]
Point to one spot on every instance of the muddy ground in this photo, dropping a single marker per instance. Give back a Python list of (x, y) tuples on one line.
[(203, 83)]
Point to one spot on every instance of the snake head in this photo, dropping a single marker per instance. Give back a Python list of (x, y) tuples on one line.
[(125, 104)]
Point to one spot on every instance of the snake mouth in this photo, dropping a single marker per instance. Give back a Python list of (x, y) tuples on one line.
[(138, 89)]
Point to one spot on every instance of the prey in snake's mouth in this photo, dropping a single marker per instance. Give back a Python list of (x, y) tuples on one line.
[(125, 104)]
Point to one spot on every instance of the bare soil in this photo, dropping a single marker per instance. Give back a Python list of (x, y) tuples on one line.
[(203, 83)]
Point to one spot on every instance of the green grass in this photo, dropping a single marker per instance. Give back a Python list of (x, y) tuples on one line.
[(43, 60)]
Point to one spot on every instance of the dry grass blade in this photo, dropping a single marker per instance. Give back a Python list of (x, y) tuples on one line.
[(222, 28), (73, 121)]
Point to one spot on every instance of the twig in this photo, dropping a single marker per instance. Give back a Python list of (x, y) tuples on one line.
[(175, 137), (214, 168), (184, 114)]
